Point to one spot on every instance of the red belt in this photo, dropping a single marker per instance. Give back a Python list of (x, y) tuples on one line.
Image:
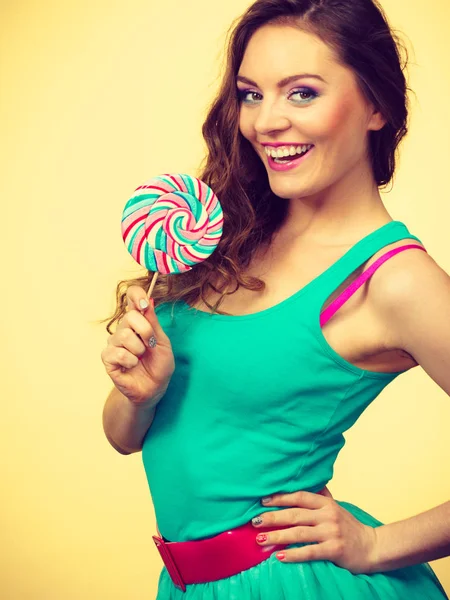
[(218, 557)]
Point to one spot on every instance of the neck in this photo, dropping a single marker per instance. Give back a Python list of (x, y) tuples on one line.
[(339, 215)]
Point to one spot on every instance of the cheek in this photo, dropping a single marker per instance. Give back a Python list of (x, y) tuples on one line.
[(339, 120), (334, 122)]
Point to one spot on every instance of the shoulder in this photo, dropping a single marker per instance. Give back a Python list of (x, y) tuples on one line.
[(411, 297), (401, 271), (408, 279)]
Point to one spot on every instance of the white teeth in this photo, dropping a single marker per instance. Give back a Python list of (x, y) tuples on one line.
[(286, 150)]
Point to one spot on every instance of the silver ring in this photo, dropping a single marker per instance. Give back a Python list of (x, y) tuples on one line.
[(152, 342)]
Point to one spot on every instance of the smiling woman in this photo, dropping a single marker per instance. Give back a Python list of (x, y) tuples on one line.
[(273, 347)]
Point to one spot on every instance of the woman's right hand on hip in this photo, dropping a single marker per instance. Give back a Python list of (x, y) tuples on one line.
[(139, 357)]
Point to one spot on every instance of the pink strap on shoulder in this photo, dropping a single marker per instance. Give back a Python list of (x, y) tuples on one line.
[(355, 285)]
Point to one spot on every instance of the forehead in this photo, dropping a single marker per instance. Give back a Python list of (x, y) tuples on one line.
[(277, 51)]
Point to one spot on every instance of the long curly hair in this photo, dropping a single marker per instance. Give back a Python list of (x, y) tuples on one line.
[(359, 34)]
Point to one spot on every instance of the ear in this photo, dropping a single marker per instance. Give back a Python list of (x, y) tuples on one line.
[(376, 122)]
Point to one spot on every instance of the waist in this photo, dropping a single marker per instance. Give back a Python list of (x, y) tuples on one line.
[(214, 558)]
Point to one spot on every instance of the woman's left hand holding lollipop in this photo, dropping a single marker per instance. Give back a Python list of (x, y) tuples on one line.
[(139, 357), (171, 223)]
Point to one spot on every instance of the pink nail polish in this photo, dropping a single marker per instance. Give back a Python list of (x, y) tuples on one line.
[(280, 555), (261, 537)]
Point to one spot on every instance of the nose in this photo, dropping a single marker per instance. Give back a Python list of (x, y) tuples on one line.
[(270, 118)]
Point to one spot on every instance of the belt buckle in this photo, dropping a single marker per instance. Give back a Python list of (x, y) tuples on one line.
[(169, 563)]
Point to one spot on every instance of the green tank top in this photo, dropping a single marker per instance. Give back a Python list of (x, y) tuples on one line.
[(257, 404)]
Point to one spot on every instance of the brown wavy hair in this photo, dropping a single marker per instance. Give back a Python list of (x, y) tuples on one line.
[(359, 34)]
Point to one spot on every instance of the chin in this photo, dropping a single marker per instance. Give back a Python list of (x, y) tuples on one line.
[(288, 190)]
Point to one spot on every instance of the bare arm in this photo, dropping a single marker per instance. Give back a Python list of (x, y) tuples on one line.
[(126, 423), (420, 538), (413, 299)]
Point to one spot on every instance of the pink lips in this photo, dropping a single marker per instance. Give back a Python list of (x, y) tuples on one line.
[(289, 165)]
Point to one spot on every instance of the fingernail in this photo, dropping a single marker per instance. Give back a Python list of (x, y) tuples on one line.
[(256, 521), (143, 304), (261, 537), (152, 342), (280, 555), (266, 499)]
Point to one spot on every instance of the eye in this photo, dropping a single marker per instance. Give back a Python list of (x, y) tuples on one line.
[(305, 91), (242, 95), (250, 96)]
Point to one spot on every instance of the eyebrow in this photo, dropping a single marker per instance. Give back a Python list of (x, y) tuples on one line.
[(284, 81)]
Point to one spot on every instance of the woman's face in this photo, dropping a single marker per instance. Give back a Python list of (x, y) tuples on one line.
[(324, 108)]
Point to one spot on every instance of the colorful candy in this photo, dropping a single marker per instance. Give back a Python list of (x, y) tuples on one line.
[(171, 223)]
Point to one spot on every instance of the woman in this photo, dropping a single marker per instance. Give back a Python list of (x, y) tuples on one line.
[(312, 303)]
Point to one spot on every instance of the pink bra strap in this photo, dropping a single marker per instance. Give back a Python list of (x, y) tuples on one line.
[(357, 283)]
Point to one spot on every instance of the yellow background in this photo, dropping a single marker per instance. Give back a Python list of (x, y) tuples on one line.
[(96, 97)]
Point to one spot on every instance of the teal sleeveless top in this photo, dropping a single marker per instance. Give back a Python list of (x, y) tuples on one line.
[(257, 404)]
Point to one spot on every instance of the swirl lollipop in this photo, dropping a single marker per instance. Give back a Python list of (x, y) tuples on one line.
[(171, 223)]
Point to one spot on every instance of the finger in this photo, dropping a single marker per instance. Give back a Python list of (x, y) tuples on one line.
[(287, 516), (293, 535), (114, 357), (137, 322), (328, 550), (301, 499), (152, 318), (128, 339), (135, 296)]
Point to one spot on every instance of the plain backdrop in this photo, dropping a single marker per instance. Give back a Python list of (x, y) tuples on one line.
[(97, 97)]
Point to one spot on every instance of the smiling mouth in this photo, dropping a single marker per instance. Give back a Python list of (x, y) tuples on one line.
[(287, 163), (287, 154)]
